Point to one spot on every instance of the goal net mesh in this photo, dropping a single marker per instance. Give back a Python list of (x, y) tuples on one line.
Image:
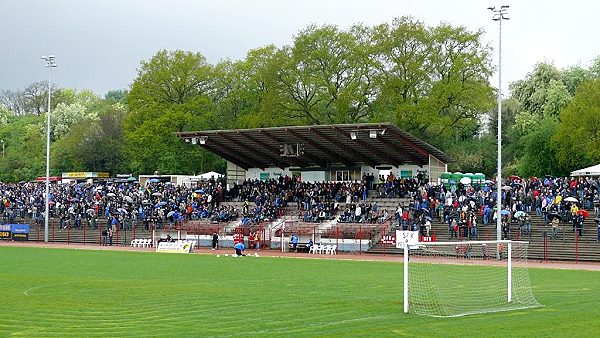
[(462, 278)]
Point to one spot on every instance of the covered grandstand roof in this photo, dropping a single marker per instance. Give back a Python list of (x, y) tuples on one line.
[(373, 144)]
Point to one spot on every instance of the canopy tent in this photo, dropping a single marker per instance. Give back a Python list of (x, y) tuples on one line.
[(589, 171), (210, 174)]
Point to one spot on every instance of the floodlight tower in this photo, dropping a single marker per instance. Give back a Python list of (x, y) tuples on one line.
[(499, 14), (49, 64)]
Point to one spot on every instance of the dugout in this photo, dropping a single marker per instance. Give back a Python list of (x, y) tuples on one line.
[(336, 152)]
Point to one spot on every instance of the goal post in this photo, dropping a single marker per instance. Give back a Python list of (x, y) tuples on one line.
[(449, 279)]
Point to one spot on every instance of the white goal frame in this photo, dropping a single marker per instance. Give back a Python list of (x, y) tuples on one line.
[(407, 242)]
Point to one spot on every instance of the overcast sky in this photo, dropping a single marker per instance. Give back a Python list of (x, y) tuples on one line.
[(99, 43)]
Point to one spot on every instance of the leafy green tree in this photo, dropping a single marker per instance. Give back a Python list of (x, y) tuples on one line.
[(433, 81), (171, 93), (578, 135), (323, 77)]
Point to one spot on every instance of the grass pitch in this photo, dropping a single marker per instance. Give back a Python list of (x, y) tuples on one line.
[(77, 293)]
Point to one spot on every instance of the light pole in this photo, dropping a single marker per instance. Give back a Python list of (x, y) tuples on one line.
[(49, 64), (499, 15)]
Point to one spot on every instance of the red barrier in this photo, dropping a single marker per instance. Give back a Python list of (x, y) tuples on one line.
[(576, 247)]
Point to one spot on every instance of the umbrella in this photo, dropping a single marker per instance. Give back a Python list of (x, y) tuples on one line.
[(170, 213), (428, 218), (110, 194), (74, 199), (90, 211), (551, 216), (505, 212), (583, 213), (199, 191), (129, 199), (121, 210), (154, 180), (131, 179), (157, 194), (161, 204), (519, 214), (571, 199), (465, 180), (506, 187), (145, 202)]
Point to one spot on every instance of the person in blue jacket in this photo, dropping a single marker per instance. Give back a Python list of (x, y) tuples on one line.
[(240, 249)]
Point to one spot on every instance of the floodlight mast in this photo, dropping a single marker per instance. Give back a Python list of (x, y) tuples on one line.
[(49, 64), (499, 14)]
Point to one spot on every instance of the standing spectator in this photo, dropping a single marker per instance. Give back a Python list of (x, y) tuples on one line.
[(110, 236), (294, 240), (505, 227), (215, 240), (104, 237), (555, 221)]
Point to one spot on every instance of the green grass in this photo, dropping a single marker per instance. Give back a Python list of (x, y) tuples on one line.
[(75, 293)]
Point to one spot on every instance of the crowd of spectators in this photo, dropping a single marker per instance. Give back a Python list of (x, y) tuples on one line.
[(464, 208)]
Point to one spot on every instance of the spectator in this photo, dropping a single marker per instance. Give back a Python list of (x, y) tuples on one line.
[(215, 240), (294, 239)]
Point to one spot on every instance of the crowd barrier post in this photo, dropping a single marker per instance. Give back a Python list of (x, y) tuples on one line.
[(545, 248), (52, 232), (84, 227), (198, 235), (68, 233), (360, 234), (337, 235), (38, 231), (281, 238), (576, 248), (100, 232), (117, 236), (383, 233)]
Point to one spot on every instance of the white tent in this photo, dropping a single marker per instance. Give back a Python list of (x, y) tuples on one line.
[(209, 175), (589, 171)]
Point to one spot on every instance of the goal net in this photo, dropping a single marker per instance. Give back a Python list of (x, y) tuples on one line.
[(461, 278)]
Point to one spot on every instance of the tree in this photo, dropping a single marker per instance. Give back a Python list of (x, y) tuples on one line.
[(532, 92), (324, 77), (578, 134), (432, 81), (172, 93)]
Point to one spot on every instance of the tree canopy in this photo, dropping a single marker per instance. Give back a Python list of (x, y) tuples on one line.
[(432, 81)]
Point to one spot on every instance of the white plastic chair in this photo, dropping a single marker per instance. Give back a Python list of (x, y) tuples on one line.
[(333, 250), (313, 249), (320, 248), (327, 249), (134, 243), (145, 243)]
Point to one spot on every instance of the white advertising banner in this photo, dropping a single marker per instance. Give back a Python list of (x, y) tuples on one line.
[(174, 247)]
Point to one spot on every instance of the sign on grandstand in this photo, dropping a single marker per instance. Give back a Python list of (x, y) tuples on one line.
[(388, 240), (174, 247)]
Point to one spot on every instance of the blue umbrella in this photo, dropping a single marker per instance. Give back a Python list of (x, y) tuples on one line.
[(154, 180), (161, 204), (199, 191), (505, 212)]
